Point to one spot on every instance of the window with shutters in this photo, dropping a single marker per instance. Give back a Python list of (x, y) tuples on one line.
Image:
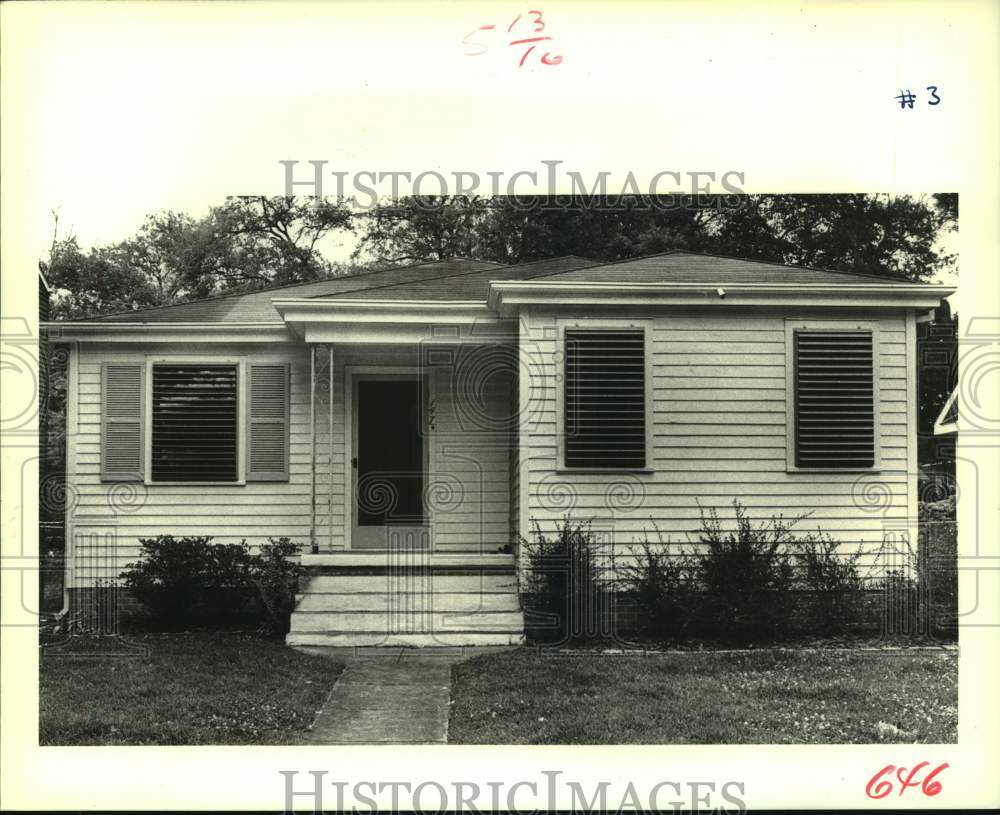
[(604, 399), (834, 393), (195, 422)]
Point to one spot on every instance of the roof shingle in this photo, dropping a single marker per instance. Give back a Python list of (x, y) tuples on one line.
[(255, 306), (463, 279), (678, 266)]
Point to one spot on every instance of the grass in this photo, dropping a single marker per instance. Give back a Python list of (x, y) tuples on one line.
[(186, 688), (769, 697)]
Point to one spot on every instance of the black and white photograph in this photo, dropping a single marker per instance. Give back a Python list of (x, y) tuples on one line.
[(519, 453)]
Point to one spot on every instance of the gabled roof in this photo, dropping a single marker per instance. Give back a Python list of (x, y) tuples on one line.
[(677, 266), (255, 306), (466, 287)]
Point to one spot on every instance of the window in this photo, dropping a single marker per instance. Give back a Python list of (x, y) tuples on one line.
[(195, 423), (604, 399), (834, 398)]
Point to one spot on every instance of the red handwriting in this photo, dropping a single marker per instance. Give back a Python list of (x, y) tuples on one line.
[(881, 784), (479, 42)]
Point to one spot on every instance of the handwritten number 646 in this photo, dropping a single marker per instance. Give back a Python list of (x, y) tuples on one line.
[(880, 785)]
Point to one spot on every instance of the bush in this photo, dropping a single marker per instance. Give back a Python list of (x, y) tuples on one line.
[(560, 586), (937, 566), (276, 577), (51, 573), (746, 576), (661, 587), (904, 614), (832, 583), (179, 581)]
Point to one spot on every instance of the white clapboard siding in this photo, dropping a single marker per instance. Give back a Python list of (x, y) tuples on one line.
[(106, 520), (718, 388), (719, 433), (468, 485)]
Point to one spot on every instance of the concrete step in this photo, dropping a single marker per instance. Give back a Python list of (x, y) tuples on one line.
[(425, 640), (399, 602), (410, 583), (406, 622)]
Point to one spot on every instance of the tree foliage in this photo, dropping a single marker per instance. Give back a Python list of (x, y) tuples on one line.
[(893, 236), (244, 243)]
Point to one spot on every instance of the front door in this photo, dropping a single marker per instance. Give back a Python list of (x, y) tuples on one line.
[(388, 463)]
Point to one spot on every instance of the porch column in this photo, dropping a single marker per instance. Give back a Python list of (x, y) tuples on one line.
[(312, 449), (321, 383)]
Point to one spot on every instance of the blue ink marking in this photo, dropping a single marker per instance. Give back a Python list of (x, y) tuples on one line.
[(933, 90), (906, 99)]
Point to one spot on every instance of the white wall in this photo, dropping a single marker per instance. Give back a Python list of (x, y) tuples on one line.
[(469, 477), (719, 434)]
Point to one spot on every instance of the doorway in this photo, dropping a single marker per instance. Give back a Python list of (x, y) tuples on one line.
[(388, 462)]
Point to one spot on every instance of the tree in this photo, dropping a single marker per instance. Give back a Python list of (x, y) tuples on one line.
[(894, 236), (273, 241), (94, 282), (243, 244), (421, 228)]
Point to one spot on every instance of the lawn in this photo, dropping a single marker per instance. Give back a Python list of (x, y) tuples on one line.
[(769, 697), (187, 688)]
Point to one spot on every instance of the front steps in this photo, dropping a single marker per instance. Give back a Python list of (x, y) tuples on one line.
[(360, 600)]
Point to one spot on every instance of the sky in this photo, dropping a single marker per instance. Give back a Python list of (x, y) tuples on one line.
[(117, 110)]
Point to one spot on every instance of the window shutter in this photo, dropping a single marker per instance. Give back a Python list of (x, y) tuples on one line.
[(122, 398), (605, 399), (834, 399), (267, 423)]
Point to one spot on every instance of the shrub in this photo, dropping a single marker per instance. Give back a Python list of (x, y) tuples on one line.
[(561, 585), (904, 614), (937, 565), (180, 580), (746, 575), (51, 571), (276, 577), (661, 588), (834, 588)]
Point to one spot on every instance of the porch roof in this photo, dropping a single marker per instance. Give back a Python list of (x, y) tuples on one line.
[(468, 287)]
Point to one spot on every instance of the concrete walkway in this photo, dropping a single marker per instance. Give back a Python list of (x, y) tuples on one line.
[(388, 696)]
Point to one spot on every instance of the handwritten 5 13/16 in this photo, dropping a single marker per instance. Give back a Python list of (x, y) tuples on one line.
[(527, 32)]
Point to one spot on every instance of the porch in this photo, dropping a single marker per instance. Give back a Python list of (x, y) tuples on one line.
[(412, 450), (413, 473)]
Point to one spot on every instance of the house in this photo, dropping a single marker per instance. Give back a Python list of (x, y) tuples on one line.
[(409, 424)]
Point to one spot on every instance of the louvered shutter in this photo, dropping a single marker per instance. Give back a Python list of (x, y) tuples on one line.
[(122, 401), (834, 399), (605, 399), (267, 423), (194, 423)]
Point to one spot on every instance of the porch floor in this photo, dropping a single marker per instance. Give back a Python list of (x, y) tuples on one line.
[(378, 557)]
